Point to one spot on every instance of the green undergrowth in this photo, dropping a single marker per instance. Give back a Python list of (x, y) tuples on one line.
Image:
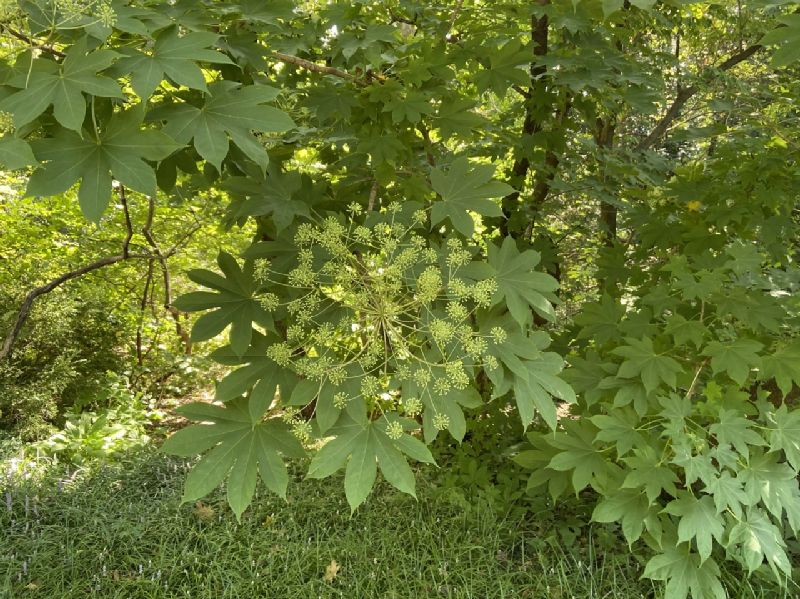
[(118, 530)]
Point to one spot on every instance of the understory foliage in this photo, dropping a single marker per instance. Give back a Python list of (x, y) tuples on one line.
[(449, 205)]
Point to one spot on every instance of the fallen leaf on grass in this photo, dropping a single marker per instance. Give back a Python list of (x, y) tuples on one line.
[(331, 571), (203, 512)]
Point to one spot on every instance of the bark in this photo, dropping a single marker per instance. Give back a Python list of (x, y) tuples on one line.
[(530, 124), (604, 138)]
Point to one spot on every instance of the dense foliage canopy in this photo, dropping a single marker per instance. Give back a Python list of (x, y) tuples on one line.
[(581, 211)]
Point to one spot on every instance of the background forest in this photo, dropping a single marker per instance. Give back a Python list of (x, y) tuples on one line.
[(519, 276)]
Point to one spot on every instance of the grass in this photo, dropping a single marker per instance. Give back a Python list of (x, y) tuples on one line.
[(119, 531)]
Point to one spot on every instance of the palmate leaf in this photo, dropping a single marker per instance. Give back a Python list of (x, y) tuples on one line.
[(698, 520), (735, 430), (629, 507), (519, 286), (535, 388), (736, 358), (646, 472), (787, 39), (120, 150), (15, 153), (364, 447), (760, 539), (589, 466), (785, 434), (685, 573), (728, 493), (783, 366), (233, 302), (173, 56), (62, 86), (643, 361), (464, 188), (451, 405), (242, 447), (508, 65), (230, 112), (257, 369), (274, 195)]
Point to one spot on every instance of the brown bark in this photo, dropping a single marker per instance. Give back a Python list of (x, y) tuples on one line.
[(530, 124)]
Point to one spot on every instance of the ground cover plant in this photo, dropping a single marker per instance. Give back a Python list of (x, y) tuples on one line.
[(119, 531), (580, 215)]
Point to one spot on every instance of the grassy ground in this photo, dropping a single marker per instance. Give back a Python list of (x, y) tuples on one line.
[(119, 531)]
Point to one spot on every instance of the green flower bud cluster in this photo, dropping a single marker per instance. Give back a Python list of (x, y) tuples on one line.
[(382, 306), (441, 421), (74, 10), (394, 430)]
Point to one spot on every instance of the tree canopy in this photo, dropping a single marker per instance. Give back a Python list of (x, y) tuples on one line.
[(584, 211)]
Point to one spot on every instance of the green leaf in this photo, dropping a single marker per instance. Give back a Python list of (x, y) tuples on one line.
[(234, 304), (364, 447), (120, 151), (685, 331), (626, 506), (508, 65), (242, 447), (577, 454), (735, 430), (175, 57), (612, 6), (783, 366), (698, 520), (275, 195), (465, 188), (600, 320), (758, 539), (647, 472), (728, 493), (787, 39), (63, 86), (521, 288), (685, 573), (736, 358), (786, 434), (535, 387), (15, 153), (618, 427), (230, 113), (642, 361)]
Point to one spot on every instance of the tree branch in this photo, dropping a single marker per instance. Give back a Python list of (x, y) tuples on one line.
[(27, 303), (162, 261), (685, 93), (126, 243), (30, 41), (317, 68)]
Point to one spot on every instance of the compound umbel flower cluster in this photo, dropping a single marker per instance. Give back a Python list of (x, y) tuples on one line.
[(374, 307)]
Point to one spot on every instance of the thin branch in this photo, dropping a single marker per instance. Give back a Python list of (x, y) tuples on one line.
[(454, 16), (27, 303), (126, 243), (317, 68), (162, 261), (522, 92), (692, 387), (31, 42), (685, 93), (373, 194), (426, 136)]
